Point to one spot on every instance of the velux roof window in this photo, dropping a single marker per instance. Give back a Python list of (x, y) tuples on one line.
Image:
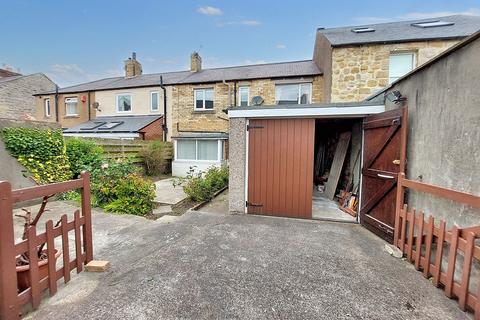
[(363, 30), (432, 24)]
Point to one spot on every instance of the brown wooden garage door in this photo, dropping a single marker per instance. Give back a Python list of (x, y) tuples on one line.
[(280, 167)]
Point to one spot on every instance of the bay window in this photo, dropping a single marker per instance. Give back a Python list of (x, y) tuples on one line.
[(206, 150), (299, 93)]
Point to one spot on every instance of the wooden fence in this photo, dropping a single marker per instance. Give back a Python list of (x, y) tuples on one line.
[(11, 297), (121, 148), (425, 244)]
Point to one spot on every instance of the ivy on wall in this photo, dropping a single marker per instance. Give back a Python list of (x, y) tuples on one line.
[(40, 151)]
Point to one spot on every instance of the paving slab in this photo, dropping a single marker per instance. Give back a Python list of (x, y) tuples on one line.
[(168, 194), (220, 266)]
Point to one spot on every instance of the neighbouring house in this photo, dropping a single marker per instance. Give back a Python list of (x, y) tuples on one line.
[(16, 93), (147, 127), (293, 161), (357, 61), (443, 129)]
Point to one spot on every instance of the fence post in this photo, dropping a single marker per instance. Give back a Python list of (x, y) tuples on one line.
[(87, 213), (8, 273), (398, 206)]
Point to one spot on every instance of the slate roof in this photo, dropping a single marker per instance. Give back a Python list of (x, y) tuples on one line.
[(127, 124), (257, 71), (403, 31), (8, 73)]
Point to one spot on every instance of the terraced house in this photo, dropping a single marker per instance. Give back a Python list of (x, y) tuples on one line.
[(348, 64)]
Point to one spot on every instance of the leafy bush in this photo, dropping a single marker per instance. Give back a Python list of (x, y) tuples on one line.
[(134, 195), (202, 186), (154, 157), (40, 151), (83, 155)]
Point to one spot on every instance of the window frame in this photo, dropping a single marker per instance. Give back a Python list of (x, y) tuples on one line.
[(240, 95), (401, 53), (299, 96), (151, 101), (204, 95), (220, 146), (67, 114), (116, 102), (46, 102)]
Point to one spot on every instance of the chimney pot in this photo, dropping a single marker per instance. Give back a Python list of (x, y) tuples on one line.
[(195, 62), (134, 56)]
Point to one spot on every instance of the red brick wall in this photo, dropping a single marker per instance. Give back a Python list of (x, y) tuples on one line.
[(153, 131)]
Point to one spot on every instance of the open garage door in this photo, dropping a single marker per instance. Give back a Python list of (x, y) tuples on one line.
[(384, 152), (280, 167)]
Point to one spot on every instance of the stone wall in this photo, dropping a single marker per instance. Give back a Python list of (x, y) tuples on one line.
[(185, 118), (359, 71), (16, 95)]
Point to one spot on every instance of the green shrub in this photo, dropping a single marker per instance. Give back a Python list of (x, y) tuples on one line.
[(40, 151), (83, 155), (154, 157), (202, 186), (134, 195)]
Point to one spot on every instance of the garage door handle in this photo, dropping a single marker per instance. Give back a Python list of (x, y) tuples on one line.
[(385, 176)]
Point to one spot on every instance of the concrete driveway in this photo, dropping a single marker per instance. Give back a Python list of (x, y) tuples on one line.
[(218, 266)]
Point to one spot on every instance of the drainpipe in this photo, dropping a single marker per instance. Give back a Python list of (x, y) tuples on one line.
[(56, 104), (235, 93), (164, 125), (88, 106)]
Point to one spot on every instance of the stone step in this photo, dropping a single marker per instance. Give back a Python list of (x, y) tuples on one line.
[(162, 210)]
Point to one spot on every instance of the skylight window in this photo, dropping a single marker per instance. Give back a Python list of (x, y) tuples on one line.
[(94, 125), (363, 30), (432, 24), (110, 125)]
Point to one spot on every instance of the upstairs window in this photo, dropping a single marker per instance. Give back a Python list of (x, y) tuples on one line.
[(124, 102), (203, 99), (243, 96), (46, 107), (400, 64), (71, 106), (154, 101), (300, 93)]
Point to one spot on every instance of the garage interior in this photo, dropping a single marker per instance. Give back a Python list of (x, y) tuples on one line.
[(337, 169)]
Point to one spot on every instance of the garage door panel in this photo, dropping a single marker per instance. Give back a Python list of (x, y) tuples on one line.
[(280, 170)]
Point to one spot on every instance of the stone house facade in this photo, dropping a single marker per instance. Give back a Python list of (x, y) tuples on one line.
[(16, 94), (361, 60)]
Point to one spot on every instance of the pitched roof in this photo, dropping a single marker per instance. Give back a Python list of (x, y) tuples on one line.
[(403, 31), (257, 71), (8, 73), (118, 124)]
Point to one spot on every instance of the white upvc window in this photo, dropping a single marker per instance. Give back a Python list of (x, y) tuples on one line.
[(243, 96), (199, 150), (124, 102), (46, 108), (400, 64), (203, 99), (154, 101), (71, 106), (298, 93)]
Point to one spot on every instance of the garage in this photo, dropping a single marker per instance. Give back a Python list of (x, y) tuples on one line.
[(336, 162)]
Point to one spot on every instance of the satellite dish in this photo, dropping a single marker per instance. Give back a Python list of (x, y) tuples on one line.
[(257, 101), (96, 105)]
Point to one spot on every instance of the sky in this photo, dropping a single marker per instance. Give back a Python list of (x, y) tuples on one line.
[(80, 41)]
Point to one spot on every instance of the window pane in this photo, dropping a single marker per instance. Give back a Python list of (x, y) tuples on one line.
[(207, 150), (47, 107), (186, 149), (154, 100), (305, 93), (124, 102), (243, 96), (199, 94), (400, 64), (71, 106), (209, 99), (286, 94)]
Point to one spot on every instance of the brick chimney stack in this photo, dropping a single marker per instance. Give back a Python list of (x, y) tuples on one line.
[(195, 62), (132, 66)]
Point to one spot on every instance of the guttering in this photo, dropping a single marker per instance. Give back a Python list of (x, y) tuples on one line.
[(304, 112), (164, 125)]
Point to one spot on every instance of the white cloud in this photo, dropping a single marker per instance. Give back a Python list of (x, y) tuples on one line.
[(71, 74), (281, 46), (416, 16), (211, 11)]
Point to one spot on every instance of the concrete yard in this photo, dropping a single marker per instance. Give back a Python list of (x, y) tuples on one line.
[(218, 266)]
